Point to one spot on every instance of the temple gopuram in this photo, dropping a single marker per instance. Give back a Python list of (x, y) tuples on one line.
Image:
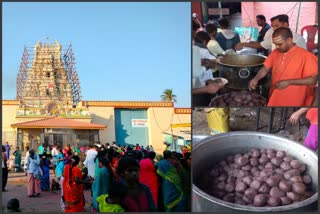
[(49, 109)]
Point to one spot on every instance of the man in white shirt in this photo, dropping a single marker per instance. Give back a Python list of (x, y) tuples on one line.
[(89, 162), (213, 46), (201, 40), (199, 89), (54, 153), (198, 86), (278, 21)]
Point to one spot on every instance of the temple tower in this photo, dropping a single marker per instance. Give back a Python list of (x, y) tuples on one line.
[(48, 77)]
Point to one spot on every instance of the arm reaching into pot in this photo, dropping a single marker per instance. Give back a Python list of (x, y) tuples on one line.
[(210, 88), (296, 115), (261, 74), (209, 63)]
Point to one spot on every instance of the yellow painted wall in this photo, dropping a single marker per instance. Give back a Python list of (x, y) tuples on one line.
[(104, 116), (9, 134), (8, 116), (159, 121)]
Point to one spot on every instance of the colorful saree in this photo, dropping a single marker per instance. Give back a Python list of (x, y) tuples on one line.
[(100, 185), (45, 178), (148, 177), (173, 195), (73, 192), (60, 165)]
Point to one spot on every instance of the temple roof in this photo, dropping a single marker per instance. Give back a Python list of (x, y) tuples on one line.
[(58, 122)]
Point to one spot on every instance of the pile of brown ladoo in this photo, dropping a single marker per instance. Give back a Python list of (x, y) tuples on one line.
[(261, 177), (239, 98)]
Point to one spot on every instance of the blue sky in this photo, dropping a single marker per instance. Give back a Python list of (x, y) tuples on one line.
[(123, 51)]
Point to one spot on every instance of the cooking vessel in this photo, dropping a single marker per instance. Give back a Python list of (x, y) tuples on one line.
[(240, 69), (209, 150)]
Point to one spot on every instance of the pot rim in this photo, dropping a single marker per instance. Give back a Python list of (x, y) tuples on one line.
[(234, 206), (237, 66)]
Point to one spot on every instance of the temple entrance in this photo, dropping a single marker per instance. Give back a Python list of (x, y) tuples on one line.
[(64, 137), (59, 139), (62, 133)]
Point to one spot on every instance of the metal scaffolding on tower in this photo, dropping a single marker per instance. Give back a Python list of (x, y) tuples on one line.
[(23, 73), (48, 72), (72, 74)]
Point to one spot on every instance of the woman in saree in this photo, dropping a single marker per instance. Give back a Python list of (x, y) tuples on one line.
[(17, 160), (114, 164), (67, 155), (33, 162), (60, 164), (173, 196), (138, 197), (102, 181), (73, 196), (45, 178), (148, 175)]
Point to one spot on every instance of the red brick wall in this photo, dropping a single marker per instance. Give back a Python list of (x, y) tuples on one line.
[(269, 9)]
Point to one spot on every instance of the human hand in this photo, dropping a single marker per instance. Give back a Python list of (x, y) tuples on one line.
[(214, 87), (253, 84), (91, 180), (294, 118), (238, 46), (282, 84), (208, 63), (212, 63)]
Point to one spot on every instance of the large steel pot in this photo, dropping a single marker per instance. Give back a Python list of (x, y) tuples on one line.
[(240, 69), (208, 150)]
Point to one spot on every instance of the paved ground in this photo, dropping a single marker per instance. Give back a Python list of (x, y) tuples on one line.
[(48, 202)]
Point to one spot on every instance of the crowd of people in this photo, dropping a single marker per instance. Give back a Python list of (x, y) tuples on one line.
[(127, 178)]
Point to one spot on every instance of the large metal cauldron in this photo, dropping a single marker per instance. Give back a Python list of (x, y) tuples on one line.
[(208, 150), (240, 69)]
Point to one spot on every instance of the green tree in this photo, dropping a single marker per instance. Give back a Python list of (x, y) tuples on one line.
[(168, 96)]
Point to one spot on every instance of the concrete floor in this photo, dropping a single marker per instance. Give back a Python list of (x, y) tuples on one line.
[(47, 202)]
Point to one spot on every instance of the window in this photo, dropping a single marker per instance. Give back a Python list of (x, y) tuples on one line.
[(48, 74)]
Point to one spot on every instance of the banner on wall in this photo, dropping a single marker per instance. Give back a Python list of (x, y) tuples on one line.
[(247, 34), (139, 122), (180, 142)]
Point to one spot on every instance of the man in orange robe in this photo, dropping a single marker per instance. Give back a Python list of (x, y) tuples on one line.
[(293, 72)]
